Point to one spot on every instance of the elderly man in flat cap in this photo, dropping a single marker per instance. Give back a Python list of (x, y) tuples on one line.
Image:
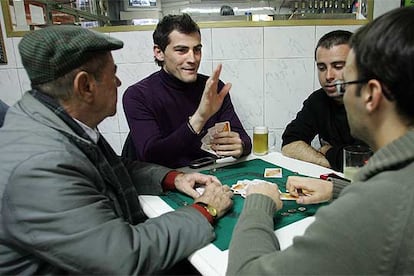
[(69, 205)]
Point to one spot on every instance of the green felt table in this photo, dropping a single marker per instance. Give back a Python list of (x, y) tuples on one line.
[(229, 175)]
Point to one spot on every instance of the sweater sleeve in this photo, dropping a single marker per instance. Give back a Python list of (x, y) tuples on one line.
[(338, 186), (340, 241)]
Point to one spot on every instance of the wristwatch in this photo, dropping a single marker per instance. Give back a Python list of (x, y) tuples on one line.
[(210, 209)]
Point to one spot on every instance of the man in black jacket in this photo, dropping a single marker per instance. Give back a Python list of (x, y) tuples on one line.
[(323, 112)]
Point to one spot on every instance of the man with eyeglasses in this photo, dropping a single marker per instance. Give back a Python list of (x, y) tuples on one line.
[(367, 230), (323, 112)]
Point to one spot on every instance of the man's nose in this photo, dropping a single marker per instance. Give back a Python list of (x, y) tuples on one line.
[(330, 74), (191, 56)]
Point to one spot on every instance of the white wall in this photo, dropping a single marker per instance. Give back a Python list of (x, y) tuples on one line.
[(382, 6), (271, 68)]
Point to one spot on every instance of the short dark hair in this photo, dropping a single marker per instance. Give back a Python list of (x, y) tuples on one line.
[(333, 38), (384, 50), (182, 23)]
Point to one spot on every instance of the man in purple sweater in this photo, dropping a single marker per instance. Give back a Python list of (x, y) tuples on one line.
[(171, 110)]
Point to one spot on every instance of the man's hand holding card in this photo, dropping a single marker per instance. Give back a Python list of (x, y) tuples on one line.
[(222, 142), (209, 137)]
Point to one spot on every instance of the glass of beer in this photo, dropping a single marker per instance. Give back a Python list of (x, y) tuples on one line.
[(355, 157), (260, 140)]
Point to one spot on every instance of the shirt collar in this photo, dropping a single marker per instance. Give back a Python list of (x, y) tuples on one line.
[(92, 133)]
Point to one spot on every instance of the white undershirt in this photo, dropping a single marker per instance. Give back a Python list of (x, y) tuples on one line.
[(92, 133)]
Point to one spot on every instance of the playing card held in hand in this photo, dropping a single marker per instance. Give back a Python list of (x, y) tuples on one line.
[(217, 128)]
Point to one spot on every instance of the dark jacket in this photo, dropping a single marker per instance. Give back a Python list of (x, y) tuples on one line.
[(320, 115)]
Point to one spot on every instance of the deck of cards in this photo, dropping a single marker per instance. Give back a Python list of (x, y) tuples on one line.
[(217, 128), (240, 188)]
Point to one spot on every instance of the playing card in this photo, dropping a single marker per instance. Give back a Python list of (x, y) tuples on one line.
[(200, 190), (273, 173), (240, 187), (207, 148), (217, 128), (287, 196), (206, 140), (209, 136), (222, 127)]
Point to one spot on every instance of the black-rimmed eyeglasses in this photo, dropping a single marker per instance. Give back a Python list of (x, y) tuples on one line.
[(341, 85)]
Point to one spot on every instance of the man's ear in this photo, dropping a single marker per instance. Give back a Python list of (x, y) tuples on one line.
[(373, 95), (158, 53), (83, 86)]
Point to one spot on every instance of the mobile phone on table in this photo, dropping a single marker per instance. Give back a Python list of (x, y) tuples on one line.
[(202, 162), (332, 175)]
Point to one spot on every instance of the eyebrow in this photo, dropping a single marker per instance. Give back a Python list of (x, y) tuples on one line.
[(332, 63), (183, 46)]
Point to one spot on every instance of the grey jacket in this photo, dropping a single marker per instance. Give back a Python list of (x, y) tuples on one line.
[(3, 110), (58, 217), (368, 230)]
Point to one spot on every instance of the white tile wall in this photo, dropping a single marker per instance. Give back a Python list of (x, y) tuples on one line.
[(289, 42), (246, 77), (271, 68), (237, 43), (10, 86)]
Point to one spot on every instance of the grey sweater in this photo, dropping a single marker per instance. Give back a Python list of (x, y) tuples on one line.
[(367, 230)]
